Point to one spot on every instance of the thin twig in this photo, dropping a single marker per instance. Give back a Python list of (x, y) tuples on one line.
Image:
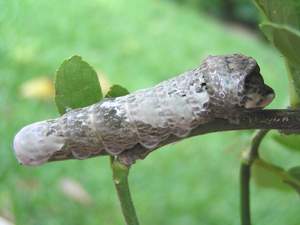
[(282, 119), (253, 153), (120, 177), (245, 194), (245, 174)]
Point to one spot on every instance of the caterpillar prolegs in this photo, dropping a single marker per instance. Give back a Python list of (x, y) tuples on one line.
[(147, 118)]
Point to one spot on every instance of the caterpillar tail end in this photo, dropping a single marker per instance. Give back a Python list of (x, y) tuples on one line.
[(32, 146)]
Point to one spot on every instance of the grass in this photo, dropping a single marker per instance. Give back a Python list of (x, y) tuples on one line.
[(136, 43)]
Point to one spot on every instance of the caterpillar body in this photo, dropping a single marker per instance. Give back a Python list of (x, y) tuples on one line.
[(146, 118)]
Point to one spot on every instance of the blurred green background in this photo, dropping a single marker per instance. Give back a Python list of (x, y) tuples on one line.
[(134, 43)]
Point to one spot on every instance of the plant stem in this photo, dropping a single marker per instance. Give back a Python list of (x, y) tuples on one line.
[(245, 175), (253, 153), (245, 194), (120, 178)]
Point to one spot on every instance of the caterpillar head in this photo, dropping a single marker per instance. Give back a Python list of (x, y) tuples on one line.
[(234, 81), (257, 93)]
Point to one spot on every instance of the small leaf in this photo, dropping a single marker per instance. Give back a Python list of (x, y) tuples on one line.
[(291, 141), (76, 85), (282, 27), (294, 172), (267, 179), (281, 12), (116, 91), (285, 39)]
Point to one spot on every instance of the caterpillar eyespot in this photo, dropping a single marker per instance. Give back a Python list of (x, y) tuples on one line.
[(148, 117)]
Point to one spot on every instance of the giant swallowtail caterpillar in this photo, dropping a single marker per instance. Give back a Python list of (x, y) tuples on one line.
[(143, 120)]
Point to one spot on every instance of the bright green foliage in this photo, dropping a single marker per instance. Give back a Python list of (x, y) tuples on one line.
[(116, 91), (76, 85), (281, 26)]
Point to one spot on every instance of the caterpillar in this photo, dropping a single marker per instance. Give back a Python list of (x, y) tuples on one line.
[(143, 120)]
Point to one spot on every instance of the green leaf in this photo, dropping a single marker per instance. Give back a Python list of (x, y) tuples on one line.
[(291, 141), (116, 91), (76, 85), (294, 172), (294, 84), (281, 12), (286, 39), (271, 176), (266, 178), (282, 27)]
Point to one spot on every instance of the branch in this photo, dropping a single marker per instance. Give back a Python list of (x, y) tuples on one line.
[(282, 119)]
